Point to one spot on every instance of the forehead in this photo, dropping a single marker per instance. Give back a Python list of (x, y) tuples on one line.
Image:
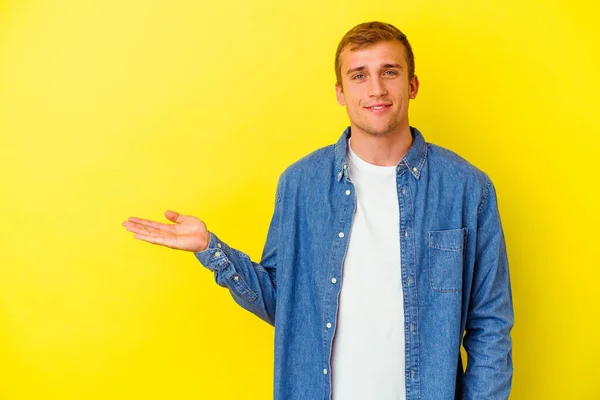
[(386, 52)]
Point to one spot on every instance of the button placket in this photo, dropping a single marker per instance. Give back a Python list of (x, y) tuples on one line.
[(408, 272)]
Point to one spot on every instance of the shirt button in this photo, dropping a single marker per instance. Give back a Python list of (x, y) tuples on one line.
[(217, 254), (333, 280), (328, 325), (236, 278), (412, 374), (408, 281), (404, 191), (411, 328), (341, 234), (219, 245), (325, 371), (414, 169), (406, 234), (348, 192), (345, 166)]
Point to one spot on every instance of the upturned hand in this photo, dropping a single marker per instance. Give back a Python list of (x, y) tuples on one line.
[(188, 233)]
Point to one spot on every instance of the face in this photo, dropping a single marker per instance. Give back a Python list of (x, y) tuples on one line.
[(376, 89)]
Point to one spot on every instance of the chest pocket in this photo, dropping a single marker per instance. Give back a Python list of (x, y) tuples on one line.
[(446, 255)]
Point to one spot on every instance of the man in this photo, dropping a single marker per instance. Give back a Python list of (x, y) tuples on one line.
[(383, 250)]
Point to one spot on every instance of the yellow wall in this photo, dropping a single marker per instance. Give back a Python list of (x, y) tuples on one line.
[(110, 109)]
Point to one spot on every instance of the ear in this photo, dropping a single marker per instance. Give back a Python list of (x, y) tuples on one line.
[(339, 94), (413, 87)]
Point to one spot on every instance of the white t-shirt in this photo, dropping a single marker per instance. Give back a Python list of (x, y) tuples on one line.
[(368, 346)]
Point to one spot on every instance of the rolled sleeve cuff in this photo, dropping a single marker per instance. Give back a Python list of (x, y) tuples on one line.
[(214, 257)]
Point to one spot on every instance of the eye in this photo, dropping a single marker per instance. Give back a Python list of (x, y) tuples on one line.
[(356, 76), (392, 71)]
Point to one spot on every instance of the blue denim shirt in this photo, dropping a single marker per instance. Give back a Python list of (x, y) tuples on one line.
[(454, 271)]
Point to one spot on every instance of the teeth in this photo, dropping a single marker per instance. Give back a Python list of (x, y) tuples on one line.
[(378, 107)]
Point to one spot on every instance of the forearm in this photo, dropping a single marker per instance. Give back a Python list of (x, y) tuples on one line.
[(252, 285), (489, 349)]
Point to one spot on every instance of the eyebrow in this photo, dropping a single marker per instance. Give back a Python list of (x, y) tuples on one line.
[(363, 67)]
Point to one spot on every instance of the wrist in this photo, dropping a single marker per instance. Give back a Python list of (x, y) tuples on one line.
[(204, 241)]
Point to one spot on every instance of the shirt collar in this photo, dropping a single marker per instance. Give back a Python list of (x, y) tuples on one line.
[(414, 160)]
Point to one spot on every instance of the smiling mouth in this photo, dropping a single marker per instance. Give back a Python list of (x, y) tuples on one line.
[(378, 107)]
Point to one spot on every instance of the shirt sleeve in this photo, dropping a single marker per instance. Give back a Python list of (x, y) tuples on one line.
[(490, 319), (251, 284)]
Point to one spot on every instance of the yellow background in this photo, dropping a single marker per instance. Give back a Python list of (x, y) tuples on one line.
[(111, 109)]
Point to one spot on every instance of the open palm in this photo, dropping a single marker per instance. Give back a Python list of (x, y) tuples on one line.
[(188, 233)]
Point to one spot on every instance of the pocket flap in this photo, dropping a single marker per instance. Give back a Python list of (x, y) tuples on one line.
[(449, 239)]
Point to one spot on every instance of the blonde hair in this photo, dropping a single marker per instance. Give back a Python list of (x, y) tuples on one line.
[(370, 33)]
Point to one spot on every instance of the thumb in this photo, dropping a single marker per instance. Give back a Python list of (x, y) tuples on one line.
[(174, 216)]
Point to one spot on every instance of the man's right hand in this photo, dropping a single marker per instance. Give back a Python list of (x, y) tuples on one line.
[(188, 233)]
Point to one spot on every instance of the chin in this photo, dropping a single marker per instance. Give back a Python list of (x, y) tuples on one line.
[(378, 130)]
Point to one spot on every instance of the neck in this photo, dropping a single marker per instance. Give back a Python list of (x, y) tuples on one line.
[(384, 150)]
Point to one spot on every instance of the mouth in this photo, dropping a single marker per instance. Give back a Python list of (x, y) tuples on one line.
[(378, 108)]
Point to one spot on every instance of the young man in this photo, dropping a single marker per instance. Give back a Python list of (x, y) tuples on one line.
[(383, 250)]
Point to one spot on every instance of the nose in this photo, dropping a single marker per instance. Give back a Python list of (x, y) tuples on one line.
[(377, 88)]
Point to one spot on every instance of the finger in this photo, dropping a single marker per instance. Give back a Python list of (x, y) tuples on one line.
[(174, 216), (160, 240), (151, 224), (137, 228)]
